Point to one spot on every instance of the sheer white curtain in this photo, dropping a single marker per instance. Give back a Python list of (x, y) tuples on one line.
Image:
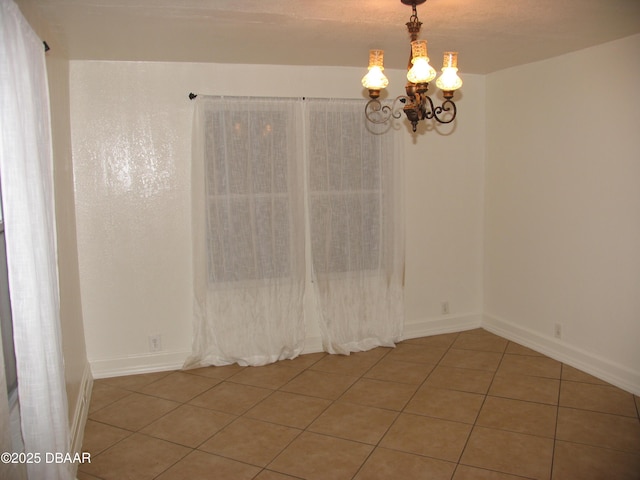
[(248, 231), (27, 196), (356, 223)]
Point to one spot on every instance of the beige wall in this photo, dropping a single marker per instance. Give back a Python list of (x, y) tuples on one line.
[(131, 146), (73, 342), (562, 231)]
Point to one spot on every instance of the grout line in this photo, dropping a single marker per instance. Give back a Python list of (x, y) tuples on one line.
[(473, 427), (555, 431)]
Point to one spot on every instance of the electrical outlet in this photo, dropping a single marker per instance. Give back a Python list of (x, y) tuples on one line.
[(155, 342), (557, 331), (444, 308)]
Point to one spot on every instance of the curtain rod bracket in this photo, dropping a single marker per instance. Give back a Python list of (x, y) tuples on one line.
[(192, 96), (46, 47)]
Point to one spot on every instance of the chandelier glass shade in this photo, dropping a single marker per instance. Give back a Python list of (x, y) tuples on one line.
[(416, 104)]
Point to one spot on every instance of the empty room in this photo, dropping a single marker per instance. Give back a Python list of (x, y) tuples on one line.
[(332, 239)]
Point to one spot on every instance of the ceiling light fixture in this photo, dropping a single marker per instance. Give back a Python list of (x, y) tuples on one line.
[(417, 104)]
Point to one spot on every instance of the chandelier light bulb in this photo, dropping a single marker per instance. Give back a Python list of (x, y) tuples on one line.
[(375, 79), (421, 71), (449, 79)]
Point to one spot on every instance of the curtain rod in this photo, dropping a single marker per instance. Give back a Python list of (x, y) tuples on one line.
[(194, 95)]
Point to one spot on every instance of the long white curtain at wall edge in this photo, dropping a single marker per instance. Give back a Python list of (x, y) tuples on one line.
[(248, 231), (357, 224), (26, 172)]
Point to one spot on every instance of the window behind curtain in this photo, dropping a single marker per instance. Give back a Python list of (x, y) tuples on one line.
[(345, 191), (248, 190), (249, 229)]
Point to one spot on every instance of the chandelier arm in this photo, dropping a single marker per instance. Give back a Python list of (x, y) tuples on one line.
[(447, 106), (376, 112), (430, 111)]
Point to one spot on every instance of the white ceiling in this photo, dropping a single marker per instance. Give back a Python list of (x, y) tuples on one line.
[(488, 34)]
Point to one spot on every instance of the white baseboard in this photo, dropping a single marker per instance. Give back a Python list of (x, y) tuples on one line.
[(165, 361), (81, 413), (136, 364), (599, 367), (442, 324)]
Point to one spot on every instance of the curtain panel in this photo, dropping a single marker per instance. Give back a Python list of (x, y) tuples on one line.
[(248, 231), (356, 223), (26, 172)]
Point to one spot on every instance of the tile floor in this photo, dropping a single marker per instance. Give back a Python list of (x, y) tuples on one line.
[(462, 406)]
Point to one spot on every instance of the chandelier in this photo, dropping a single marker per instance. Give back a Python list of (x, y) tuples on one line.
[(417, 104)]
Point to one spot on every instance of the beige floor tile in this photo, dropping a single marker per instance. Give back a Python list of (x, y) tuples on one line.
[(376, 393), (103, 394), (134, 411), (355, 364), (317, 457), (201, 465), (427, 436), (354, 422), (384, 464), (574, 461), (462, 379), (529, 365), (517, 349), (133, 382), (508, 452), (474, 359), (518, 416), (188, 425), (251, 441), (320, 384), (446, 404), (464, 472), (271, 376), (599, 429), (137, 457), (575, 375), (231, 397), (525, 387), (98, 437), (402, 372), (179, 386), (271, 475), (414, 353), (428, 403), (486, 343), (85, 476), (223, 372), (599, 398), (478, 331), (289, 409), (444, 340)]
